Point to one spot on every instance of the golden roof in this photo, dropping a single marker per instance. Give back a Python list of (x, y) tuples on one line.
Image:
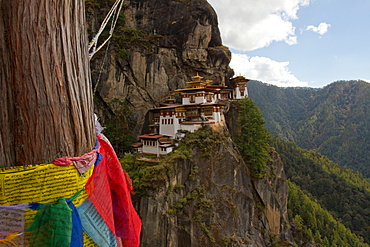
[(198, 82)]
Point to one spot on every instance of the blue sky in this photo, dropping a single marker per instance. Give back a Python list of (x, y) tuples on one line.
[(297, 42)]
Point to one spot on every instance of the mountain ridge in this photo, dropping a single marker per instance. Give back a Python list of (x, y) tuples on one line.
[(332, 120), (342, 192)]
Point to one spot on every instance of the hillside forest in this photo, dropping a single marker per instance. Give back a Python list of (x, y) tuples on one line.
[(333, 120)]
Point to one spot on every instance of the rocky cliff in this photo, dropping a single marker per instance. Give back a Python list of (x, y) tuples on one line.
[(157, 46), (203, 195)]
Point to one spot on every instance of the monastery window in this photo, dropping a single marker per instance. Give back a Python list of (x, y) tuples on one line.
[(208, 112), (192, 113), (172, 121), (192, 98), (162, 121), (209, 98), (242, 93)]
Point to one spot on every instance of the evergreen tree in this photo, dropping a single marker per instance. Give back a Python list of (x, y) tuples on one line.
[(253, 137)]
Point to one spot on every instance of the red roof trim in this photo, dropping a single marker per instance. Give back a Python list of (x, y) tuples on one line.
[(137, 145), (151, 136)]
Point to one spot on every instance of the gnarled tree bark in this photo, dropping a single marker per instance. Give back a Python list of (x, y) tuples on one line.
[(46, 108)]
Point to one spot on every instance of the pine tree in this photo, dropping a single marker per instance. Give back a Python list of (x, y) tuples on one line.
[(253, 137)]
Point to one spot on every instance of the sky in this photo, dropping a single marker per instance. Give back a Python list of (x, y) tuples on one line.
[(290, 43)]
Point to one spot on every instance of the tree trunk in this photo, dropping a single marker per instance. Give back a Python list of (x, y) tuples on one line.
[(46, 108)]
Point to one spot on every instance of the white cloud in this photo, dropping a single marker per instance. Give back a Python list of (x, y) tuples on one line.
[(291, 40), (265, 70), (321, 29), (248, 24)]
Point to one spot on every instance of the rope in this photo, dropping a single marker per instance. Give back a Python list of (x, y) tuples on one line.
[(114, 12), (101, 70)]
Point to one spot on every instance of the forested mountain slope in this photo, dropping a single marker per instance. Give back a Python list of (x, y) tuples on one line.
[(314, 224), (345, 194), (333, 121)]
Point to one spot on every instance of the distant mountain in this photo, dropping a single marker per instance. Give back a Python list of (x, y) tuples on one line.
[(345, 194), (333, 121)]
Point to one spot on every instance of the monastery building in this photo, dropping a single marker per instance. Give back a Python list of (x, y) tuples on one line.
[(202, 104)]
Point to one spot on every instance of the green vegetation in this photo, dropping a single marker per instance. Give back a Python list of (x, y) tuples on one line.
[(145, 176), (125, 38), (315, 224), (197, 197), (150, 176), (226, 241), (204, 139), (332, 121), (118, 128), (252, 141), (344, 193)]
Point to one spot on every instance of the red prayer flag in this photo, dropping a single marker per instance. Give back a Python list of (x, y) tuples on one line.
[(109, 190)]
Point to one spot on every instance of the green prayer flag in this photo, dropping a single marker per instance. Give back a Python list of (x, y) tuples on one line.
[(52, 225)]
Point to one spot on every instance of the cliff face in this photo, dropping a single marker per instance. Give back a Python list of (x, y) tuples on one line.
[(209, 199), (205, 197), (157, 47)]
